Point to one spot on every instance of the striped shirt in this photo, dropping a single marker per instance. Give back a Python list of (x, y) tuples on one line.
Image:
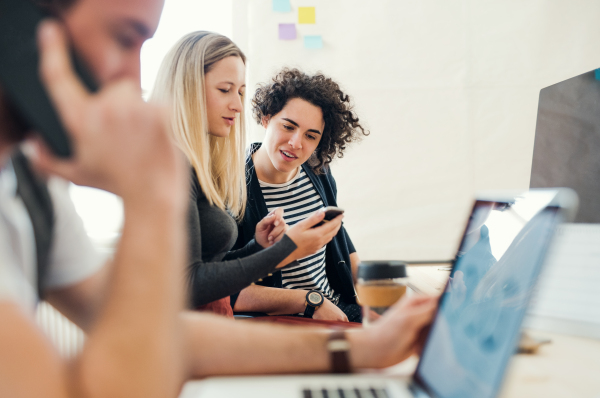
[(299, 199)]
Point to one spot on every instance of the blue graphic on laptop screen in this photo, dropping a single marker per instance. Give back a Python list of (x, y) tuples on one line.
[(476, 329)]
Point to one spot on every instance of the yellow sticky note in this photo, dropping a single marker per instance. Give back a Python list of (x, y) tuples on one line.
[(306, 15)]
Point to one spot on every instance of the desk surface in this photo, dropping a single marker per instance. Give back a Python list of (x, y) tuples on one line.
[(567, 367)]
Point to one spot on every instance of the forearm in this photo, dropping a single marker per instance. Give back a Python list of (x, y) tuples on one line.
[(252, 247), (138, 324), (273, 301), (257, 348), (354, 262), (211, 281), (219, 346)]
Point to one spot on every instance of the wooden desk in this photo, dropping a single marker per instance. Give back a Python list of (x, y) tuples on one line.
[(428, 279), (567, 367), (299, 321)]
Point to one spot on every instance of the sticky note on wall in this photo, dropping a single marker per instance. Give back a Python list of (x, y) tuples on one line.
[(282, 6), (306, 15), (313, 42), (287, 31)]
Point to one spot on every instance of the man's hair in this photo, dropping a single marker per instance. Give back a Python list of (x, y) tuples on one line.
[(54, 6), (341, 123)]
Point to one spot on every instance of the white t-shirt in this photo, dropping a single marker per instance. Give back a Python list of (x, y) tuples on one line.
[(72, 255)]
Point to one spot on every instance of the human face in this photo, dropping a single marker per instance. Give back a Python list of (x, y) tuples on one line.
[(292, 136), (108, 34), (225, 84)]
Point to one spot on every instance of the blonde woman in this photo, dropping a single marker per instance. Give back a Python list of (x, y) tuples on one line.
[(202, 79)]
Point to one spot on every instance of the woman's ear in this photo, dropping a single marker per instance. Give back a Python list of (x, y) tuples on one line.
[(265, 121)]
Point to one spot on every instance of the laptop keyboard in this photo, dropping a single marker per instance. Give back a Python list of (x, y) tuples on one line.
[(345, 393)]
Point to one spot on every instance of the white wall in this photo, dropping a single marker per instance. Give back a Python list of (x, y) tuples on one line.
[(448, 89)]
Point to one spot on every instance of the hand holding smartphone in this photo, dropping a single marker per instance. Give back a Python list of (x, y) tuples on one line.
[(331, 212)]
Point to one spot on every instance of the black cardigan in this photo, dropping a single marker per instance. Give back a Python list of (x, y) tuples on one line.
[(337, 257)]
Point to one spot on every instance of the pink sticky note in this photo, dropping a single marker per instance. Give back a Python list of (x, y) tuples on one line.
[(287, 31)]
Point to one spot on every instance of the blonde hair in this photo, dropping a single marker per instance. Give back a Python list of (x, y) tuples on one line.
[(217, 161)]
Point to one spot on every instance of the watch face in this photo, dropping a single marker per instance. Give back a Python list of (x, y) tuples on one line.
[(315, 298)]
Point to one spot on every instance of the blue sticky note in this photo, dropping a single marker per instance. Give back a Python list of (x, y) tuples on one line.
[(287, 31), (313, 42), (597, 74), (282, 6)]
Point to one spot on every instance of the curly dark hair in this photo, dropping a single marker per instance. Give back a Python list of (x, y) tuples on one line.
[(341, 123)]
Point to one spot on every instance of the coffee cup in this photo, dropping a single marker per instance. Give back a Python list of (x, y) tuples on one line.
[(380, 284)]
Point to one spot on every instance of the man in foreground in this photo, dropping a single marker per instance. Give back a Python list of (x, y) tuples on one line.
[(139, 340)]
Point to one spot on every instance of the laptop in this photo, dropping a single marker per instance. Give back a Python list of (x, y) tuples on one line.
[(476, 328)]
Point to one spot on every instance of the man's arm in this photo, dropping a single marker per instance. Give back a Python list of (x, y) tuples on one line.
[(30, 367), (276, 301), (219, 346), (122, 145), (82, 301)]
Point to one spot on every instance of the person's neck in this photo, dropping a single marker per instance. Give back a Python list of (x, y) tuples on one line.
[(266, 172)]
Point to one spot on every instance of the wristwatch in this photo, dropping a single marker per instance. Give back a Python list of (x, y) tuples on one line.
[(314, 299), (339, 347)]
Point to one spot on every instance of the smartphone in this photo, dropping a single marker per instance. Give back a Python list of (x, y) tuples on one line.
[(331, 212), (19, 74)]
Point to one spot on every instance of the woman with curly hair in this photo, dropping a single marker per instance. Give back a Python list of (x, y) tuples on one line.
[(202, 80), (308, 121)]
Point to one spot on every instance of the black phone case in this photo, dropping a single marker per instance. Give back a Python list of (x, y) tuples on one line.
[(19, 74)]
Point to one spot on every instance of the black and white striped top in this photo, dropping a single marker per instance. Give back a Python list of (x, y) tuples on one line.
[(299, 199)]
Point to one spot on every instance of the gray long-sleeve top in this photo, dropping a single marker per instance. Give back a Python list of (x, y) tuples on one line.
[(214, 271)]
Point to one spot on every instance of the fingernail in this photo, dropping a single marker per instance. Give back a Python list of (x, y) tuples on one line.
[(276, 223), (46, 30)]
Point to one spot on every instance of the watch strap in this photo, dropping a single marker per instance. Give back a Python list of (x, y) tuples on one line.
[(309, 311), (338, 347)]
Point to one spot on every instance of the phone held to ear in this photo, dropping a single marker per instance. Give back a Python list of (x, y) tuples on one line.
[(19, 74), (331, 212)]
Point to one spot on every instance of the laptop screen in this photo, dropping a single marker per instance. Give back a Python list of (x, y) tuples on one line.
[(476, 329)]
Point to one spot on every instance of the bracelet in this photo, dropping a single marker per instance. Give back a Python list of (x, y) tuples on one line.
[(338, 347)]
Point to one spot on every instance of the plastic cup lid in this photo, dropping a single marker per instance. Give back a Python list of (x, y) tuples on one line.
[(369, 270)]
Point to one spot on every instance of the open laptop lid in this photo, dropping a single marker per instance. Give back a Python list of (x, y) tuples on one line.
[(476, 329)]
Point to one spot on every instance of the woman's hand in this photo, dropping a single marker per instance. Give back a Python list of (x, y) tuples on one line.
[(309, 240), (271, 229), (329, 312)]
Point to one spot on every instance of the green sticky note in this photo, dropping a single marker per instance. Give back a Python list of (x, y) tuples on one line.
[(282, 6), (306, 15), (313, 42)]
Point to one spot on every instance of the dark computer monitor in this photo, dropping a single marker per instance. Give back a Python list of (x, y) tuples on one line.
[(566, 152)]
